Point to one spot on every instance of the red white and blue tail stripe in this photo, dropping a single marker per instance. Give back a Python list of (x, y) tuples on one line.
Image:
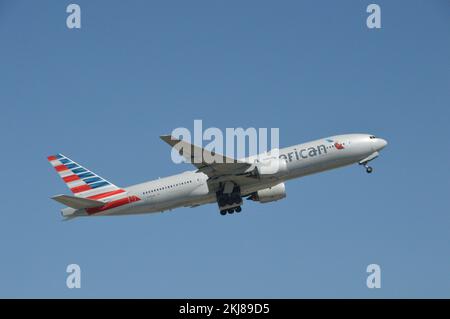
[(81, 181)]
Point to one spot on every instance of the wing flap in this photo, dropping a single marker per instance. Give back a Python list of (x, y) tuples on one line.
[(77, 202)]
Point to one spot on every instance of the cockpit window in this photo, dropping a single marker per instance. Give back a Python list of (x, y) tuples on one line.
[(372, 137)]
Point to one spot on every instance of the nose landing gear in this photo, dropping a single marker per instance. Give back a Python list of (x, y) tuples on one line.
[(365, 161), (369, 169)]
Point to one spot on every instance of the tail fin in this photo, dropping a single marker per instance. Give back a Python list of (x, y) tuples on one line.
[(81, 181)]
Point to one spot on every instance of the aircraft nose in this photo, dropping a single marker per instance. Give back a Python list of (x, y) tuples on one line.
[(381, 143)]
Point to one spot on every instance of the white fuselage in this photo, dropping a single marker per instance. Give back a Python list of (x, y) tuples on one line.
[(192, 188)]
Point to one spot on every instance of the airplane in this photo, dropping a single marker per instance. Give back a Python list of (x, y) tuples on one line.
[(225, 181)]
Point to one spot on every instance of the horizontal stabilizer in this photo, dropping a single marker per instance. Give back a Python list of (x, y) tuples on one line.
[(77, 202)]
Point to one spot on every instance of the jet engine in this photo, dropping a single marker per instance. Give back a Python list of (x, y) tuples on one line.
[(270, 194)]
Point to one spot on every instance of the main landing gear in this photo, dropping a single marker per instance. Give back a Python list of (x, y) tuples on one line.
[(231, 211), (229, 199)]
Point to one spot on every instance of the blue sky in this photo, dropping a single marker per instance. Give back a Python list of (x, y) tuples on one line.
[(103, 94)]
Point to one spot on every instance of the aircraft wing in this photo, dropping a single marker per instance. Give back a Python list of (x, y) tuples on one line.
[(212, 164)]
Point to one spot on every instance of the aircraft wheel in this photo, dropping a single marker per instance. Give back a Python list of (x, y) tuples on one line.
[(223, 212), (230, 211), (238, 209), (369, 169)]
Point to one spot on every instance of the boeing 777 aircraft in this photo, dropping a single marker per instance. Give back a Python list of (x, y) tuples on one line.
[(226, 181)]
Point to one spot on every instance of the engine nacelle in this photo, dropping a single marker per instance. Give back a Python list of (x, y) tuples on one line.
[(270, 194), (271, 168)]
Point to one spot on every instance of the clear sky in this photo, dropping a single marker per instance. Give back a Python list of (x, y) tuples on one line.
[(138, 69)]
